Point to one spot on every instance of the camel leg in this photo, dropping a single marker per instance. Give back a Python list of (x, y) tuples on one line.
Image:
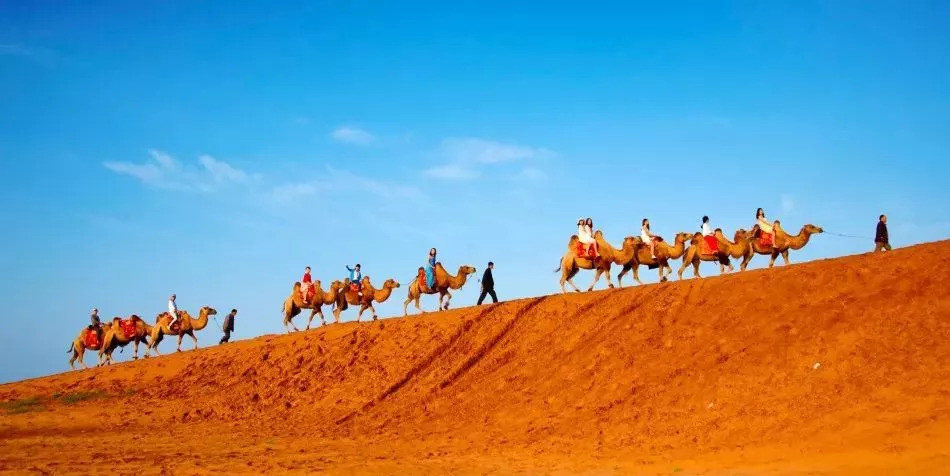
[(310, 319), (444, 300), (180, 335), (194, 338), (82, 359), (636, 273), (597, 273), (772, 257), (405, 307), (359, 315), (610, 283), (419, 308), (745, 261), (622, 272), (785, 257), (135, 349)]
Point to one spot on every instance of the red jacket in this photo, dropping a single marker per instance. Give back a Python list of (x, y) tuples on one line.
[(306, 278)]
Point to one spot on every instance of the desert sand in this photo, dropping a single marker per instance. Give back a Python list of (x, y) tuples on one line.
[(839, 366)]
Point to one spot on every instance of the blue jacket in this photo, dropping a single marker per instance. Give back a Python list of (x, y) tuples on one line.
[(355, 276)]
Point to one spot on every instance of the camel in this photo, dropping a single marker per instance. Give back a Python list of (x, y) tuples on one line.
[(115, 337), (443, 282), (571, 263), (365, 302), (783, 242), (664, 253), (78, 348), (727, 249), (295, 303), (188, 326)]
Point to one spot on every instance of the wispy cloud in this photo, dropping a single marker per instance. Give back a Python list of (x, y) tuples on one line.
[(352, 135), (343, 184), (466, 158), (43, 56), (165, 172), (788, 203)]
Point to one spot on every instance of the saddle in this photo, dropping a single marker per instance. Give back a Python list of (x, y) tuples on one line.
[(583, 252), (128, 328), (92, 340), (709, 245), (354, 286), (176, 326)]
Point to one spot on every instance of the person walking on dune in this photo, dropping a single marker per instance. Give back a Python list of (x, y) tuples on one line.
[(488, 285), (881, 240), (228, 326)]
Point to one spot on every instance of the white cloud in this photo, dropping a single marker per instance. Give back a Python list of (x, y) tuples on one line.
[(788, 203), (451, 172), (465, 156), (166, 172), (352, 135), (343, 184)]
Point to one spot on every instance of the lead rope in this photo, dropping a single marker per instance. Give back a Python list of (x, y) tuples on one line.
[(847, 236)]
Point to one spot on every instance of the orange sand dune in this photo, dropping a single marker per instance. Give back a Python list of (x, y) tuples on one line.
[(837, 366)]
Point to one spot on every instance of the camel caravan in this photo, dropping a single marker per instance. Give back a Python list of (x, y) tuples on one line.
[(121, 332), (588, 249)]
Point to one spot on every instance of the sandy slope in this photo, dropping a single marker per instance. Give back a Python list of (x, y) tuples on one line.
[(713, 375)]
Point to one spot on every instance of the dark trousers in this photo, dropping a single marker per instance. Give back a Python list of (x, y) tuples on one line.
[(485, 292), (878, 246), (227, 336)]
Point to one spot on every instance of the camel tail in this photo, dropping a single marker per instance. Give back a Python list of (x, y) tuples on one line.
[(558, 270), (70, 348)]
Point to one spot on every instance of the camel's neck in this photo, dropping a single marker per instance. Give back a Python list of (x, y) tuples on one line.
[(330, 297), (201, 322), (458, 280), (799, 240), (381, 295)]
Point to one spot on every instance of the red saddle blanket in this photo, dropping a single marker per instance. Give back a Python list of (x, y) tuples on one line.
[(128, 328), (582, 251), (355, 287), (176, 327), (766, 239), (92, 340), (711, 245)]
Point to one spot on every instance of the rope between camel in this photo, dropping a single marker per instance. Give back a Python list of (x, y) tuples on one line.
[(848, 236)]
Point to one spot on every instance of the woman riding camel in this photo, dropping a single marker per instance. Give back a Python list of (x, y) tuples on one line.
[(765, 228), (708, 236), (585, 234), (430, 269), (647, 236)]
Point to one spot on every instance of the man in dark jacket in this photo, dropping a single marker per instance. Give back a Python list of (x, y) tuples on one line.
[(488, 285), (228, 326), (881, 240)]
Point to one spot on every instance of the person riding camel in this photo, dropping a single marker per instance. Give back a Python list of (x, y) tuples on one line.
[(356, 278), (711, 243), (586, 236), (765, 228), (648, 237), (430, 270), (172, 310), (305, 283)]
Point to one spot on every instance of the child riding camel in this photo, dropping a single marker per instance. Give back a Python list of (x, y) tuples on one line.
[(305, 283), (356, 279)]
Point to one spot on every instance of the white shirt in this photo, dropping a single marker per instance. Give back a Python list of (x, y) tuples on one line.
[(645, 235), (706, 230), (172, 308), (764, 225)]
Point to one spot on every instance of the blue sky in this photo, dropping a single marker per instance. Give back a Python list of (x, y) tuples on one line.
[(213, 149)]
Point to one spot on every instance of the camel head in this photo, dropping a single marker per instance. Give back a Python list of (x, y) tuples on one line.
[(742, 234), (390, 284), (683, 237), (812, 229), (466, 270), (207, 310)]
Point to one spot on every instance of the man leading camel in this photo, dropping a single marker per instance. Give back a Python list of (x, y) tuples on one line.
[(881, 240)]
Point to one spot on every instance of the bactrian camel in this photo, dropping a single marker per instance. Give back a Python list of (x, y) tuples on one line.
[(783, 243), (369, 294), (295, 303), (664, 253), (443, 282), (188, 326), (697, 251), (115, 337), (78, 348), (571, 262)]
